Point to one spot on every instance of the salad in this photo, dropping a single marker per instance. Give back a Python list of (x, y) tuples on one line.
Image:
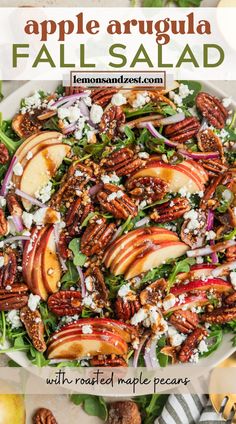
[(117, 226)]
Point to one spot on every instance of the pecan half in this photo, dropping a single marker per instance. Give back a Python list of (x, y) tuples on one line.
[(231, 254), (10, 301), (191, 343), (214, 167), (208, 141), (111, 120), (26, 124), (96, 237), (220, 315), (34, 326), (73, 90), (65, 302), (124, 412), (208, 200), (170, 210), (13, 205), (125, 308), (116, 202), (147, 188), (3, 224), (184, 130), (16, 288), (64, 240), (4, 154), (195, 237), (184, 321), (44, 416), (8, 270), (102, 96), (212, 109), (76, 215), (108, 361), (153, 292), (231, 299), (123, 162), (95, 283)]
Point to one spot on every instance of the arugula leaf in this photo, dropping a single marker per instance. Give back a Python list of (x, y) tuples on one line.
[(151, 406), (156, 273), (214, 340), (37, 358), (71, 276), (51, 124), (92, 405), (87, 219), (79, 258), (181, 266), (230, 235), (49, 319)]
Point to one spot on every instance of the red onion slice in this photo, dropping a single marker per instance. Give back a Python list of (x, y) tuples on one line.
[(8, 177), (69, 129), (210, 220), (208, 250), (18, 223), (117, 233), (150, 127), (199, 155), (173, 119), (66, 99), (142, 222), (138, 351), (220, 270), (150, 355), (95, 189), (15, 238), (82, 281), (31, 199)]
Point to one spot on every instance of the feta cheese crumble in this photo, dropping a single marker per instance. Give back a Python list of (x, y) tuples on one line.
[(18, 169), (44, 193), (13, 318), (233, 279), (1, 261), (118, 99), (96, 113), (33, 301), (87, 329)]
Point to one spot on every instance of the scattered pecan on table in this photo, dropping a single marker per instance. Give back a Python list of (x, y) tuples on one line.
[(44, 416), (123, 162), (184, 321), (4, 154), (170, 210), (183, 131), (116, 202), (212, 109), (191, 343), (124, 412), (97, 236), (65, 302), (34, 326), (147, 188), (111, 121)]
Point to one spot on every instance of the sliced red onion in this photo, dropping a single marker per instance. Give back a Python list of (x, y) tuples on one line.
[(199, 155), (150, 355), (210, 220), (173, 119), (208, 250), (69, 129), (95, 189), (228, 266), (15, 238), (138, 351), (8, 177), (84, 109), (82, 281), (214, 256), (18, 223), (31, 199), (204, 125), (56, 236), (150, 127), (117, 233), (142, 222), (72, 98)]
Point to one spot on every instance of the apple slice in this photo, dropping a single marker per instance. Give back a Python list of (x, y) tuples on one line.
[(127, 239), (125, 331), (35, 139), (197, 271), (81, 345), (51, 268), (38, 286), (217, 284), (155, 256), (177, 176), (29, 251), (41, 168), (189, 302), (193, 166), (124, 258)]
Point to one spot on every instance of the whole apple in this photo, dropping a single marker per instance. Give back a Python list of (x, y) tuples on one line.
[(12, 409)]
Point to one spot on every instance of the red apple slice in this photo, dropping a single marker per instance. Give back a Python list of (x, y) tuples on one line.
[(41, 168), (51, 268), (29, 251), (38, 285), (189, 302), (198, 271), (217, 284), (154, 257), (87, 345), (195, 167)]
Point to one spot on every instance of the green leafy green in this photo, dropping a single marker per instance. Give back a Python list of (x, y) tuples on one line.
[(194, 86), (10, 143), (71, 276), (51, 124), (92, 405), (214, 340), (230, 235), (151, 406), (225, 202), (79, 257), (181, 266)]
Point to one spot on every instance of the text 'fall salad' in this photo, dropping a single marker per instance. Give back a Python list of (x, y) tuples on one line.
[(117, 226)]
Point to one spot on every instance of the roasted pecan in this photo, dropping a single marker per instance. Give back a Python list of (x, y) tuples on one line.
[(95, 283), (26, 124), (65, 302), (13, 205), (184, 321), (208, 141), (8, 270), (10, 301), (153, 292), (208, 200), (212, 109), (170, 210), (125, 308), (231, 254), (231, 299), (195, 237), (116, 202), (76, 215), (184, 130), (123, 162), (191, 343), (102, 96), (124, 412), (64, 240), (96, 237), (147, 188), (3, 224), (220, 315), (108, 361), (4, 154), (34, 326), (44, 416), (16, 288), (73, 90), (111, 120), (214, 167), (76, 178)]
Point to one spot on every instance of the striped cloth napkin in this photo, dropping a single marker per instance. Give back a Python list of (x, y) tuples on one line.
[(189, 409)]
